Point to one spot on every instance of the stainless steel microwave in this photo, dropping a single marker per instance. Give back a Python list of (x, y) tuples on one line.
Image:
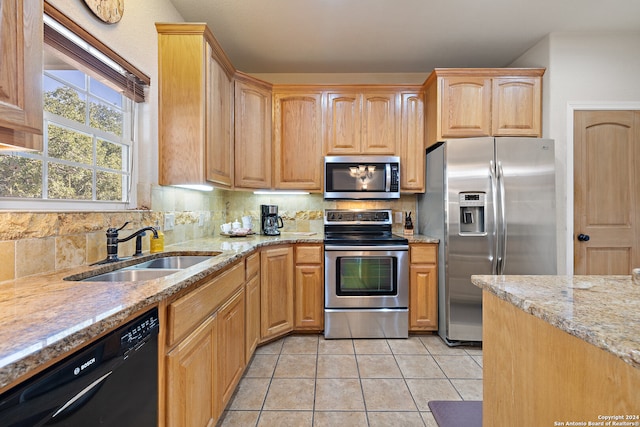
[(362, 177)]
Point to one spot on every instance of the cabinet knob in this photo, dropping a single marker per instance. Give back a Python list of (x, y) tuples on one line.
[(583, 237)]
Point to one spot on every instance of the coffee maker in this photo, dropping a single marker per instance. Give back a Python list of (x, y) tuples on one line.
[(270, 222)]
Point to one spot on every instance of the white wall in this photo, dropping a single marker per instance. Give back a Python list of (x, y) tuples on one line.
[(135, 39), (584, 71)]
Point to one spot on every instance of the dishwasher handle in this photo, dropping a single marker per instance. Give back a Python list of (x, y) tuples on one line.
[(84, 396)]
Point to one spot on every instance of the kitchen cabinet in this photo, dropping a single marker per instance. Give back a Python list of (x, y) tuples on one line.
[(205, 347), (360, 121), (191, 379), (309, 288), (195, 107), (252, 138), (21, 102), (423, 287), (276, 291), (412, 148), (477, 102), (231, 341), (297, 138), (252, 304)]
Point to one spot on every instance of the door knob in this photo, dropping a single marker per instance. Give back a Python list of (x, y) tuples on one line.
[(583, 237)]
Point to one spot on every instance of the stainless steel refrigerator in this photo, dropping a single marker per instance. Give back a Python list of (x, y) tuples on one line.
[(491, 202)]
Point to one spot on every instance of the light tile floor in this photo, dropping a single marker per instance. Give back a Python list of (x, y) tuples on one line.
[(305, 380)]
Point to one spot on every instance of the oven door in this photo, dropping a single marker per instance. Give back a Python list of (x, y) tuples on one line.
[(366, 276)]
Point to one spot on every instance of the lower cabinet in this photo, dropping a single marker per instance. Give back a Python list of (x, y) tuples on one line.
[(205, 344), (231, 341), (423, 287), (276, 291), (252, 305), (309, 288), (191, 387)]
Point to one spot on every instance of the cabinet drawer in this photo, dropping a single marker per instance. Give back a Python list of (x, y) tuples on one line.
[(190, 310), (309, 254), (253, 265), (424, 254)]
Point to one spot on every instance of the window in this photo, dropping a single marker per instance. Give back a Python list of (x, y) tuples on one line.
[(89, 127)]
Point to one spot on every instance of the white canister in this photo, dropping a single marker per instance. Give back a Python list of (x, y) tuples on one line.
[(247, 222), (236, 225)]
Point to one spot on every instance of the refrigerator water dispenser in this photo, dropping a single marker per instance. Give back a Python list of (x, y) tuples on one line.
[(472, 207)]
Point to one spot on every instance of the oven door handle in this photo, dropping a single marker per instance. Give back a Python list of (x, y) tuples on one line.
[(366, 248)]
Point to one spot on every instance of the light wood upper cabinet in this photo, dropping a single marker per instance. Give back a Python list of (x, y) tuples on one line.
[(219, 120), (195, 104), (309, 288), (412, 147), (297, 139), (361, 122), (479, 102), (21, 104), (516, 106), (252, 132), (466, 106), (276, 302), (423, 287)]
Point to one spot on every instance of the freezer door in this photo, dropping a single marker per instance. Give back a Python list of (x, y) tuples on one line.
[(470, 249), (527, 238)]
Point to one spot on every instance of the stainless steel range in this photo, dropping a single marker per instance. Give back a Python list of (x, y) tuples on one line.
[(366, 276)]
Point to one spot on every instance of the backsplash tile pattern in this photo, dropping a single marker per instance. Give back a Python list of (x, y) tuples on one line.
[(39, 242)]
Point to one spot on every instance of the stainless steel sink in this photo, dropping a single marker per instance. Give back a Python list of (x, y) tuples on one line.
[(148, 270), (172, 262), (133, 275)]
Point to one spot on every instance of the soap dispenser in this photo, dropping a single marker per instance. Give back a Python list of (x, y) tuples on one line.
[(157, 244)]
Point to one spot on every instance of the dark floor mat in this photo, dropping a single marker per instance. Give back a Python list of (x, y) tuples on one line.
[(457, 413)]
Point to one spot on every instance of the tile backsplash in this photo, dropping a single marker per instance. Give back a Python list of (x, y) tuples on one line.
[(36, 242)]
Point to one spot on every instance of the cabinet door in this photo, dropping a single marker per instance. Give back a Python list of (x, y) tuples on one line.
[(297, 141), (466, 106), (516, 106), (191, 379), (252, 136), (380, 124), (412, 147), (252, 316), (309, 297), (276, 289), (219, 125), (344, 123), (231, 340), (21, 102), (423, 297)]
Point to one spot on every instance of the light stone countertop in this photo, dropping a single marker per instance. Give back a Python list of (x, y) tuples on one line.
[(44, 317), (601, 310)]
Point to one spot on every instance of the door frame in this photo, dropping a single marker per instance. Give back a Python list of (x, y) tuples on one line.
[(572, 107)]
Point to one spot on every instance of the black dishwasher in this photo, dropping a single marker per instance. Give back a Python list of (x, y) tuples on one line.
[(111, 382)]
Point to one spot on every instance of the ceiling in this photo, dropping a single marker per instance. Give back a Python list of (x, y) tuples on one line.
[(394, 36)]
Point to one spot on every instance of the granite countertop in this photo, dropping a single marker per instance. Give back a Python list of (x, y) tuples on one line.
[(44, 317), (601, 310)]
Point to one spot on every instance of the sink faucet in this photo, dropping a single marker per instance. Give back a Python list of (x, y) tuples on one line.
[(113, 240)]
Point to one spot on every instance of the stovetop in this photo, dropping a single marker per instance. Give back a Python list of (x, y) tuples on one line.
[(360, 227)]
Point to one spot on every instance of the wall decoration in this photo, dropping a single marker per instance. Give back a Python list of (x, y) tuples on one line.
[(109, 11)]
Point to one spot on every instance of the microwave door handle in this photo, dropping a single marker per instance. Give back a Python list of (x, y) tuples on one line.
[(387, 170)]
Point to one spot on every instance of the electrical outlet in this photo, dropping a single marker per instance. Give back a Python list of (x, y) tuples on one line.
[(399, 218), (201, 220), (169, 221)]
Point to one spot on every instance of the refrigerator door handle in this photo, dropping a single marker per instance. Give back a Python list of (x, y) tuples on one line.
[(494, 233), (503, 222)]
